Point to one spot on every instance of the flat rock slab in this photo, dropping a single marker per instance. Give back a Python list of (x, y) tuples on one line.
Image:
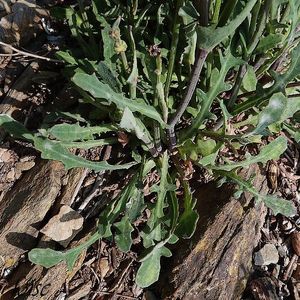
[(24, 206), (217, 262), (63, 227)]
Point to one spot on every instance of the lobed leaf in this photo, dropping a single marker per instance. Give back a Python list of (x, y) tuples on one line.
[(278, 205), (149, 270), (188, 219), (55, 151), (91, 84), (217, 86), (279, 109), (74, 132), (210, 37), (49, 257), (15, 128), (134, 125), (271, 151), (123, 234)]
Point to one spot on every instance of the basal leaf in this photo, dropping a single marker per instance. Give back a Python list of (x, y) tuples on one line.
[(108, 77), (269, 42), (55, 151), (74, 132), (188, 219), (280, 82), (118, 206), (49, 257), (15, 128), (249, 80), (135, 205), (67, 57), (91, 84), (280, 206), (154, 231), (45, 257), (279, 109), (89, 144), (271, 151), (209, 37), (133, 125), (108, 47), (149, 270), (123, 234)]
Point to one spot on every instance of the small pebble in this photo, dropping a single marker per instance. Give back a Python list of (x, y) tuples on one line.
[(267, 255)]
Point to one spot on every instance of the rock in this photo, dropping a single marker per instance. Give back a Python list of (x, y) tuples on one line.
[(81, 292), (63, 227), (25, 166), (25, 205), (267, 255)]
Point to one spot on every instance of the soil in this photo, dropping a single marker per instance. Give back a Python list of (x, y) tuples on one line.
[(28, 89)]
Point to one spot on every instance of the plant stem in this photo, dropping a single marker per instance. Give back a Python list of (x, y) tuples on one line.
[(174, 43), (216, 14), (250, 48), (160, 90), (237, 84), (203, 9), (188, 96), (133, 77)]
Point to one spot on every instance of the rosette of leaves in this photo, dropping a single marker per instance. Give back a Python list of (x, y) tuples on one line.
[(154, 69)]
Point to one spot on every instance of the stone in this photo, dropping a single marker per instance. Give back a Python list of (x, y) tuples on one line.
[(267, 255)]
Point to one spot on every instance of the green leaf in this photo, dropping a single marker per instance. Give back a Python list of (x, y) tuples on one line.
[(113, 211), (135, 205), (123, 234), (49, 258), (206, 147), (108, 47), (209, 37), (149, 270), (91, 84), (67, 57), (294, 132), (135, 126), (188, 220), (280, 206), (280, 82), (279, 109), (269, 42), (46, 257), (108, 77), (249, 80), (15, 128), (217, 86), (154, 231), (89, 144), (271, 151), (55, 151), (74, 132)]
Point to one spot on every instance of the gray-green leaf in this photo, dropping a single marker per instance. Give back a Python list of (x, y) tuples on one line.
[(55, 151), (268, 152), (74, 132), (123, 234), (91, 84), (209, 37), (149, 270), (134, 125)]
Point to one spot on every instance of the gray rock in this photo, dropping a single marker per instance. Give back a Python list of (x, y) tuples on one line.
[(267, 255)]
